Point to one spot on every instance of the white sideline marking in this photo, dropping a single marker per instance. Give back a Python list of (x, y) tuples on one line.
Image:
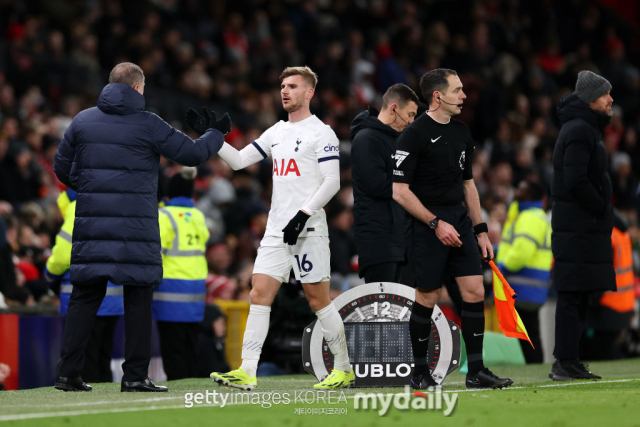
[(466, 390), (103, 402), (15, 417)]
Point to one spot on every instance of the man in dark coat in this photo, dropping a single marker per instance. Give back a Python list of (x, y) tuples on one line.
[(110, 155), (378, 219), (582, 218)]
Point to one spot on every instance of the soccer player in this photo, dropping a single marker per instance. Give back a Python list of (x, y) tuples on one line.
[(431, 181), (306, 175)]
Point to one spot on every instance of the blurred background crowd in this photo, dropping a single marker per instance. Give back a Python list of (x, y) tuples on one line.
[(515, 58)]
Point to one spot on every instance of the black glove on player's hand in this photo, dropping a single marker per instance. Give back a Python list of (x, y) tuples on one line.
[(294, 228), (201, 123)]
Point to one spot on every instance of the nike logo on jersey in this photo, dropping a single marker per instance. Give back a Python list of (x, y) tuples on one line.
[(434, 140), (400, 156), (477, 335), (273, 145), (423, 339), (304, 275)]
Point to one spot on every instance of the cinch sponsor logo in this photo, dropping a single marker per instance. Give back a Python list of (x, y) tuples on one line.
[(329, 148), (280, 170)]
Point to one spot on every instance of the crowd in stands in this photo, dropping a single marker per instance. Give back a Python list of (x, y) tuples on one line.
[(516, 60)]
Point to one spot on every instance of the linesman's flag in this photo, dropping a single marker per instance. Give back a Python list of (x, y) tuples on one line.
[(508, 318)]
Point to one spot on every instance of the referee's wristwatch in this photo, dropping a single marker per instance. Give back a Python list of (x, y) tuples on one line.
[(433, 224)]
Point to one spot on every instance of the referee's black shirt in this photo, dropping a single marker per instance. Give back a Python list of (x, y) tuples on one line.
[(434, 158)]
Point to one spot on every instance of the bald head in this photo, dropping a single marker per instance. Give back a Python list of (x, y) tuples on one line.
[(129, 74)]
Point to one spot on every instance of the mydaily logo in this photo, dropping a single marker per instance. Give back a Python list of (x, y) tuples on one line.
[(433, 400)]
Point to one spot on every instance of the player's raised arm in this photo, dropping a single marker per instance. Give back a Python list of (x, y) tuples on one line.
[(249, 155), (258, 150)]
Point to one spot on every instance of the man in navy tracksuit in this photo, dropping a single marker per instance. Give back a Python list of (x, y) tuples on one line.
[(110, 155)]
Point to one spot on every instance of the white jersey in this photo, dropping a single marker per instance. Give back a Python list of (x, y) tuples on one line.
[(297, 149)]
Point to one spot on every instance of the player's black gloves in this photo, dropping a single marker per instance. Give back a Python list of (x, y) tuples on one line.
[(294, 228), (200, 123)]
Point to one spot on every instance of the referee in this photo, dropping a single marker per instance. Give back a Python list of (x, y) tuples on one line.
[(432, 179)]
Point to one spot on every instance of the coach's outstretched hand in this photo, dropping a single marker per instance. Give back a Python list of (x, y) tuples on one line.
[(294, 228), (201, 123)]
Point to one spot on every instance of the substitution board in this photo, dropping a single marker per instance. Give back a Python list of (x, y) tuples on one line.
[(376, 322)]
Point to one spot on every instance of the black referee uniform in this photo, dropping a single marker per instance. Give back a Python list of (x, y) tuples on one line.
[(434, 158)]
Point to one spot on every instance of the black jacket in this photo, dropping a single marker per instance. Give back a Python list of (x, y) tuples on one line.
[(378, 219), (111, 154), (582, 218)]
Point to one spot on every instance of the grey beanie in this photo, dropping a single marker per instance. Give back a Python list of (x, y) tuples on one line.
[(591, 86)]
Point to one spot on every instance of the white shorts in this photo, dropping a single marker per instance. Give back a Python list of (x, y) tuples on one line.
[(309, 258)]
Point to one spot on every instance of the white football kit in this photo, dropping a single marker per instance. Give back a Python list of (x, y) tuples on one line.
[(305, 176)]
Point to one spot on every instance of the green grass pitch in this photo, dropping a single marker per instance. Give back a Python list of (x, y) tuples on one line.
[(534, 400)]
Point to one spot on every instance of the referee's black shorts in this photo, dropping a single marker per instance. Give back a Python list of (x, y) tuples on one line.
[(429, 258)]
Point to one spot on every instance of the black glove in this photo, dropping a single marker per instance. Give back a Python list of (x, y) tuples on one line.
[(201, 123), (294, 228)]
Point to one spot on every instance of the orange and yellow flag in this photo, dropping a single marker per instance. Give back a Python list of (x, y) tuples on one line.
[(508, 318)]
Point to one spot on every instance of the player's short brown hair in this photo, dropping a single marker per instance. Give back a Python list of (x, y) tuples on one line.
[(306, 73)]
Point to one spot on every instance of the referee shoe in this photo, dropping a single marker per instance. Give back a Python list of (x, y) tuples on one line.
[(424, 382), (484, 378)]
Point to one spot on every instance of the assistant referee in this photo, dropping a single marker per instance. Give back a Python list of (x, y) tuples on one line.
[(432, 179)]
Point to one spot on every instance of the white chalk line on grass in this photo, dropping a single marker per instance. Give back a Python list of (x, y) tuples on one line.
[(467, 390), (15, 417), (103, 402)]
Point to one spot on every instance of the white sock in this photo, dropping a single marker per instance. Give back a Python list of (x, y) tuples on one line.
[(254, 335), (333, 331)]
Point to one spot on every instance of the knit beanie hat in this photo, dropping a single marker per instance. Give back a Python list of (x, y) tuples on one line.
[(181, 183), (591, 86)]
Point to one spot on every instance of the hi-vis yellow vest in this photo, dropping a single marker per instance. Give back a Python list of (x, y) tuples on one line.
[(183, 235), (524, 254)]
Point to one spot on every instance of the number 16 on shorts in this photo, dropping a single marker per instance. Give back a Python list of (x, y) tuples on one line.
[(310, 259), (304, 265)]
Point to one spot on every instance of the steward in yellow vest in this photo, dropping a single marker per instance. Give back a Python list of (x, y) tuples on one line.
[(179, 301), (525, 258)]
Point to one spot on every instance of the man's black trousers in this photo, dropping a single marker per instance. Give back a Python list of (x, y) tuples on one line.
[(178, 342), (383, 272), (571, 319), (83, 305), (531, 320), (97, 355)]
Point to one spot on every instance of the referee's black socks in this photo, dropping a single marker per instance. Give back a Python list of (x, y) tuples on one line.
[(473, 333), (420, 329)]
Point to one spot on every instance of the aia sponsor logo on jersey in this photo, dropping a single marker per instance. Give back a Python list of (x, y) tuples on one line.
[(279, 168)]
